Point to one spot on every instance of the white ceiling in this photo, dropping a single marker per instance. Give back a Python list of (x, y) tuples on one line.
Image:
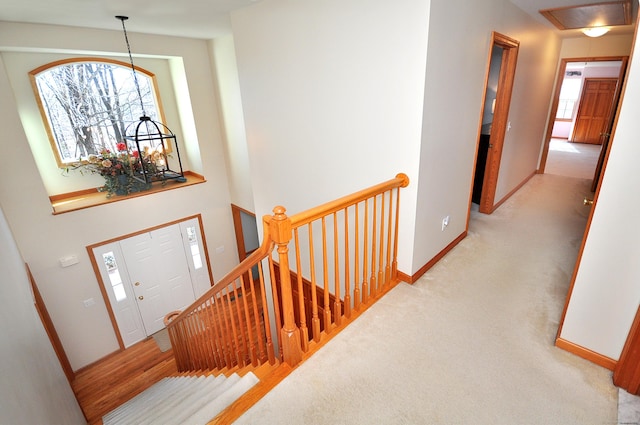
[(205, 19)]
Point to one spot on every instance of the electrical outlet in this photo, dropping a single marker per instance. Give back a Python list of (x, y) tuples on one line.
[(445, 222)]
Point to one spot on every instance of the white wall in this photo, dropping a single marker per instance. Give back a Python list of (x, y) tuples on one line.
[(606, 291), (43, 238), (33, 388), (349, 78), (458, 55), (332, 94), (587, 47), (235, 137)]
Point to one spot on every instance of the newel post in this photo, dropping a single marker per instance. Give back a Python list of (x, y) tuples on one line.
[(289, 334)]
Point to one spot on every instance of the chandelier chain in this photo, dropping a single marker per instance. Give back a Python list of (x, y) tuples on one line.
[(133, 68)]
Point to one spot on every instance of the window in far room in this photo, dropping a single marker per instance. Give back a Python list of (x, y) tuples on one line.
[(569, 95), (86, 104)]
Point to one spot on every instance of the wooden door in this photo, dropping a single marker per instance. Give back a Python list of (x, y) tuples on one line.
[(159, 273), (594, 111)]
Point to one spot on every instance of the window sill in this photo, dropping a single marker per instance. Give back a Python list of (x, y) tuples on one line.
[(74, 201)]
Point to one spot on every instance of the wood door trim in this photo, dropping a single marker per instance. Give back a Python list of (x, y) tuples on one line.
[(500, 117), (237, 227)]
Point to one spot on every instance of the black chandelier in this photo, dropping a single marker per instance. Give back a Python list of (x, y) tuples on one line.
[(147, 135)]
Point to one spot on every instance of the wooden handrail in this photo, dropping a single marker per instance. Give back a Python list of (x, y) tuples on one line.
[(334, 278), (297, 220)]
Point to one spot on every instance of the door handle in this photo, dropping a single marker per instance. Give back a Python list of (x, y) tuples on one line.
[(587, 201), (137, 284), (141, 298)]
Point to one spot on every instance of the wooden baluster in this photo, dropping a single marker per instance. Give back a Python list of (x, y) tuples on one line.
[(304, 331), (240, 329), (260, 353), (219, 335), (206, 336), (365, 265), (315, 319), (265, 312), (347, 283), (178, 344), (199, 331), (224, 333), (290, 334), (250, 342), (190, 342), (356, 261), (374, 227), (231, 326), (276, 303), (394, 266), (381, 245), (213, 335), (228, 329), (325, 279), (337, 308), (387, 272)]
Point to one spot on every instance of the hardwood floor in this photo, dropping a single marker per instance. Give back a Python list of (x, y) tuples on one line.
[(106, 384)]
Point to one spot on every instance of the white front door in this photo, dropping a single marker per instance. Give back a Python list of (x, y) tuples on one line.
[(159, 274)]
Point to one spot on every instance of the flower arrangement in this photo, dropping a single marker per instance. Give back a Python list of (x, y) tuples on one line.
[(124, 169)]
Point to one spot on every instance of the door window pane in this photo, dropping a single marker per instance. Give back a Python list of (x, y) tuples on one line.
[(114, 276)]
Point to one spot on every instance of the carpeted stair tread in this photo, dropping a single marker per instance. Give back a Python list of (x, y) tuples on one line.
[(181, 400), (215, 406)]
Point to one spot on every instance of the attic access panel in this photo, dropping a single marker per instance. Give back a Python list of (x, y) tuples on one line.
[(590, 15)]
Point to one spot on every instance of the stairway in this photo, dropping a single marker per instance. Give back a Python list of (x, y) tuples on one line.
[(188, 400)]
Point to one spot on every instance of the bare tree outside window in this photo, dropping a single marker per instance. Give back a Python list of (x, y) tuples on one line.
[(87, 105)]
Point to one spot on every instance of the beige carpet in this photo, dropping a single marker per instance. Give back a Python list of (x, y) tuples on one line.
[(572, 159), (471, 342)]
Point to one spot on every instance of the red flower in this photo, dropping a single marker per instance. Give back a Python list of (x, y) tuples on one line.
[(121, 147), (135, 154)]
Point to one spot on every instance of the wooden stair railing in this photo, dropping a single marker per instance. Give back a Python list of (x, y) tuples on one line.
[(344, 257)]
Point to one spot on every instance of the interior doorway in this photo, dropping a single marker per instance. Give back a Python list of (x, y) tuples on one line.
[(501, 70), (565, 109)]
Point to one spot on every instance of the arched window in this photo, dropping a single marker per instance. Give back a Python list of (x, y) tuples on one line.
[(86, 104)]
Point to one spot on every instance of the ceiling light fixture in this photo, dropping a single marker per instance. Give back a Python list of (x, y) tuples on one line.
[(595, 31), (151, 136)]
